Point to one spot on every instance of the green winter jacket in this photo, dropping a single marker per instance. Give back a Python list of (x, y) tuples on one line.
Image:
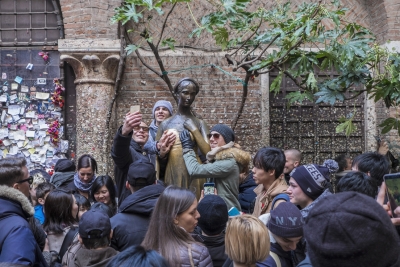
[(225, 170)]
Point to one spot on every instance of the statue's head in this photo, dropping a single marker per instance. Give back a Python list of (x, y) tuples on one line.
[(186, 91), (184, 83)]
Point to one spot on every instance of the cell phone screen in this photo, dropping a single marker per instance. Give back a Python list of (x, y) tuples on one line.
[(209, 188), (135, 109), (392, 182)]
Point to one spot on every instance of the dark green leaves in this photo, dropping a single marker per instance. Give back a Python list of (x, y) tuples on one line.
[(346, 125), (390, 124), (221, 36), (329, 96), (170, 42), (276, 84)]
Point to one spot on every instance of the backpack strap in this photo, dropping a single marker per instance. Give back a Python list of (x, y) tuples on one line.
[(276, 258), (67, 242), (281, 196)]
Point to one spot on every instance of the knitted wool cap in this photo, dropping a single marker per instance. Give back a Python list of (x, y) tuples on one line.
[(213, 214), (351, 229), (312, 178), (286, 221), (225, 131), (165, 104)]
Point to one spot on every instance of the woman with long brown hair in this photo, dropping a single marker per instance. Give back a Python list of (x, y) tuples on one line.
[(173, 220)]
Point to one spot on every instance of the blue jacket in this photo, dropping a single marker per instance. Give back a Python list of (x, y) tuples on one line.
[(246, 193), (17, 243)]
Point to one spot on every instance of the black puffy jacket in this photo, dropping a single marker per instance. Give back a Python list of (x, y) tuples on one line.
[(131, 223)]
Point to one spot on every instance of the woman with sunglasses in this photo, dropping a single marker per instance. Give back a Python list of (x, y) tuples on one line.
[(226, 162)]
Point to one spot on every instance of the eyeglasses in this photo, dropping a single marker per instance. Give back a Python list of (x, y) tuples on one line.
[(215, 135), (29, 180), (144, 128)]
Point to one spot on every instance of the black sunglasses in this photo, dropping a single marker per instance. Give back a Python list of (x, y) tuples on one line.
[(215, 135), (29, 180)]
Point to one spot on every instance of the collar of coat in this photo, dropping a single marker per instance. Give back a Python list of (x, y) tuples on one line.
[(229, 151), (16, 195)]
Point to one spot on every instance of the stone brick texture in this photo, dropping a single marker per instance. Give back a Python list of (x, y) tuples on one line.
[(220, 95)]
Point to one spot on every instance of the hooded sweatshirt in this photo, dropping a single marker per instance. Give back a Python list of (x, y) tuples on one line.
[(94, 257)]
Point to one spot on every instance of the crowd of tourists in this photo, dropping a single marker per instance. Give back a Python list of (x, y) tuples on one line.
[(269, 210)]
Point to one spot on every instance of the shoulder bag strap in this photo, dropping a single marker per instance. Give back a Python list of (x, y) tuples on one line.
[(67, 241), (276, 258)]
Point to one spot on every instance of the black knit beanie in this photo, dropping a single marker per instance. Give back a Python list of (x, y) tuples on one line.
[(286, 221), (225, 131), (351, 229), (312, 178), (64, 165), (213, 214)]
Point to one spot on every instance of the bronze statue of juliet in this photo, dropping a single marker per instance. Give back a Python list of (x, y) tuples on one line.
[(172, 168)]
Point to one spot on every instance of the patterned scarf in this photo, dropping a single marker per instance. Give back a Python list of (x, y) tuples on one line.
[(84, 187)]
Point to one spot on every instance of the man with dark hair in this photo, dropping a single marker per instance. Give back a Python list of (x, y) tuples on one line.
[(358, 182), (95, 234), (293, 160), (131, 223), (373, 164), (17, 242), (269, 163)]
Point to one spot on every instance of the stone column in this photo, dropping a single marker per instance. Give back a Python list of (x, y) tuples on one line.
[(95, 63)]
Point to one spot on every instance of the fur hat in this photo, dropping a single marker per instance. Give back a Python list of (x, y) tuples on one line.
[(312, 178), (213, 214), (165, 104), (351, 229), (286, 221), (225, 131)]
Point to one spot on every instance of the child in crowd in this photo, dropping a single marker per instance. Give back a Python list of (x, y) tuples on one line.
[(41, 192), (83, 205)]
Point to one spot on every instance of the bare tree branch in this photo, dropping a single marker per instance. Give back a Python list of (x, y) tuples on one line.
[(145, 64), (164, 73), (259, 25), (259, 56), (244, 97), (164, 24)]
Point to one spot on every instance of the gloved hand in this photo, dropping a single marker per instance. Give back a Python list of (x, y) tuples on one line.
[(186, 140)]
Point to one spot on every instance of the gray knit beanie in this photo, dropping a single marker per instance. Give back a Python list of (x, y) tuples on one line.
[(163, 103)]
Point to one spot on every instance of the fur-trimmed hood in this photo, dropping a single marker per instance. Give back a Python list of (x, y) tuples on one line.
[(16, 196), (230, 151)]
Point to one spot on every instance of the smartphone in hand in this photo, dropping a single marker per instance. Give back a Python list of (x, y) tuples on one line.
[(209, 188), (392, 182), (134, 109)]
